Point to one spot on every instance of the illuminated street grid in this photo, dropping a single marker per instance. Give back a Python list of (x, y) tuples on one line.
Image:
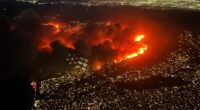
[(97, 89), (164, 4)]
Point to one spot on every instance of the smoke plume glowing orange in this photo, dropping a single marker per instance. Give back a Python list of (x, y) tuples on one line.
[(105, 41)]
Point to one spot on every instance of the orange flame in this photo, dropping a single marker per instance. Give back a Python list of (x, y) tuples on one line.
[(56, 26), (97, 65), (59, 32), (139, 38), (140, 50)]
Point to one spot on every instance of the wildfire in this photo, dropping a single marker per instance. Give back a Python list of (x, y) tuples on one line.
[(139, 38), (56, 26), (140, 50), (97, 65), (60, 32), (108, 38)]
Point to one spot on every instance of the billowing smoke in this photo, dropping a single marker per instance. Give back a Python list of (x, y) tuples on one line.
[(99, 41)]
